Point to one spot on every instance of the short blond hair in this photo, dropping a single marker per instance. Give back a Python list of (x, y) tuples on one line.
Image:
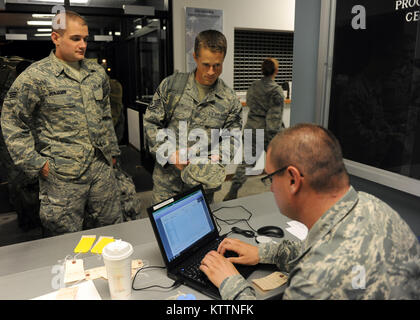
[(69, 15)]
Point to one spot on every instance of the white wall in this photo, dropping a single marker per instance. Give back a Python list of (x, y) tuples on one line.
[(243, 14)]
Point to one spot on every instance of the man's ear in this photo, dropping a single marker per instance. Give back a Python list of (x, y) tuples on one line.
[(294, 179), (55, 37)]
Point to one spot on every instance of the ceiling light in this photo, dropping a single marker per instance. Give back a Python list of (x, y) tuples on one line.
[(42, 35), (44, 30), (71, 1), (39, 23), (42, 15), (48, 1), (16, 36)]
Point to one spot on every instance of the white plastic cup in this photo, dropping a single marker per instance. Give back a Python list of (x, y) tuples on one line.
[(118, 268)]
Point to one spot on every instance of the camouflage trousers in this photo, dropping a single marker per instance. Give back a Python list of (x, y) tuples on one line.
[(87, 202), (167, 183)]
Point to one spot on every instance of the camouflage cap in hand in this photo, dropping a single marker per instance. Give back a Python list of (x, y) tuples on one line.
[(210, 175)]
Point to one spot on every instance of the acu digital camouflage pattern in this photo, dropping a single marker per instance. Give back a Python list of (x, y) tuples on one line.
[(220, 109), (130, 203), (115, 97), (358, 231), (72, 117), (265, 99), (210, 175), (23, 190), (91, 201), (73, 131), (117, 108), (7, 77)]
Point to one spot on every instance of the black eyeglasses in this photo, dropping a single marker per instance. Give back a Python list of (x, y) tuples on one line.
[(268, 179)]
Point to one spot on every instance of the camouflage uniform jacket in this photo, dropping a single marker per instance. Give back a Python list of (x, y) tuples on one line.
[(359, 249), (71, 114), (265, 99), (220, 109)]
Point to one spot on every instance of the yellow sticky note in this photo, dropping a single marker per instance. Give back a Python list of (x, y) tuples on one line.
[(101, 243), (84, 244)]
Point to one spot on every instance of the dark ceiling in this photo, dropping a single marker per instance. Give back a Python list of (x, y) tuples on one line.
[(107, 18)]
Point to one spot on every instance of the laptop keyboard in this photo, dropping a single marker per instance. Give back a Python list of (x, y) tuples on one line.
[(192, 270)]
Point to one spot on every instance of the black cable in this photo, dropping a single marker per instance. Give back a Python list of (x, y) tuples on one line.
[(233, 221), (176, 283)]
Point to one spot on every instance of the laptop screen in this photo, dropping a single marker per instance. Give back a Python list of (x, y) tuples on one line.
[(182, 222)]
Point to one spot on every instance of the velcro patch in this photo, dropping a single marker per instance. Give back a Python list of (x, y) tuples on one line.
[(57, 93)]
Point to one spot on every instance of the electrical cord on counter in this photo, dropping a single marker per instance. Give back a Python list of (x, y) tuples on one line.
[(234, 221), (176, 283)]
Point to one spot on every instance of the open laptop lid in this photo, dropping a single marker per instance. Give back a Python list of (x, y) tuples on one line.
[(182, 225)]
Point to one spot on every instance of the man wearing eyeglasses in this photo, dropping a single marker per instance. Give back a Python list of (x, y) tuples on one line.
[(357, 246)]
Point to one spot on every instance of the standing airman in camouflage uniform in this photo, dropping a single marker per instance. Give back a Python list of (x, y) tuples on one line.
[(73, 147), (7, 77), (23, 190), (205, 102), (357, 247), (265, 99)]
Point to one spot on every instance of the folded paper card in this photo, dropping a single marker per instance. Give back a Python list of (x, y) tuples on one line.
[(74, 271), (85, 290), (272, 281)]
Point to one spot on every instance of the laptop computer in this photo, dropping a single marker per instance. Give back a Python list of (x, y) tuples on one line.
[(185, 231)]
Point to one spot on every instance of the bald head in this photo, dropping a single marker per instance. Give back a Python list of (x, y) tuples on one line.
[(315, 152)]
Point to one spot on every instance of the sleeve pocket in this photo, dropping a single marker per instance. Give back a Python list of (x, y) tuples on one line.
[(98, 93)]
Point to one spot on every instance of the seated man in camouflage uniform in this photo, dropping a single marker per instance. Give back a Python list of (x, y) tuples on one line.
[(348, 230), (74, 146), (265, 99), (205, 102)]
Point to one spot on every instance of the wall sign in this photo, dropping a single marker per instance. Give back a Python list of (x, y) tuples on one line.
[(197, 20)]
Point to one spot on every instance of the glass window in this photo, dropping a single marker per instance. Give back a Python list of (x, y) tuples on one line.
[(375, 86)]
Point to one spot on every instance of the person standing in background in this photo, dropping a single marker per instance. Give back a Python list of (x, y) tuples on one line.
[(74, 146), (265, 99)]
